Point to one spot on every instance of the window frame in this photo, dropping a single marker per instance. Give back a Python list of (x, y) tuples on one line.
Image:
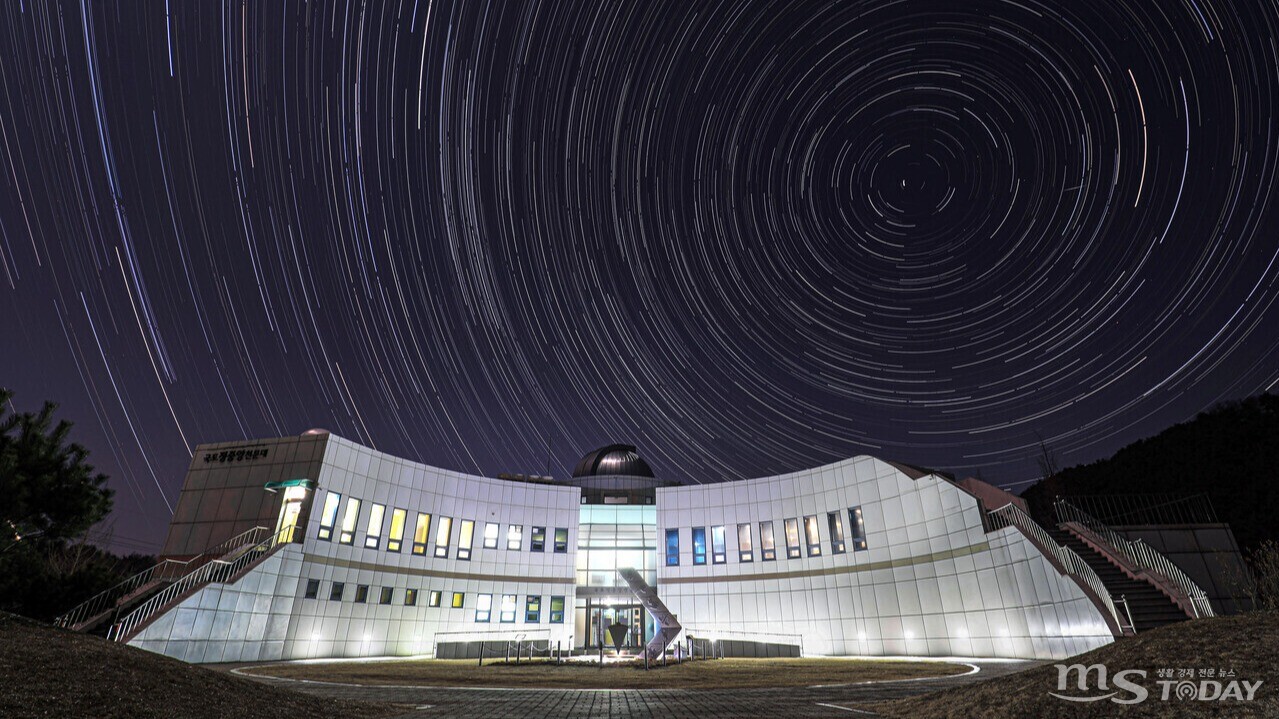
[(699, 557), (458, 601), (491, 530), (312, 589), (514, 533), (483, 608), (350, 518), (444, 526), (373, 531), (434, 598), (395, 535), (835, 523), (533, 609), (361, 593), (745, 545), (336, 591), (561, 545), (329, 516), (794, 549), (556, 616), (767, 542), (537, 540), (719, 545), (857, 528), (410, 597), (505, 615), (387, 596), (465, 539), (672, 549), (812, 535), (422, 531)]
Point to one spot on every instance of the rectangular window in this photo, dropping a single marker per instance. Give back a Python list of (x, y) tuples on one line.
[(312, 589), (421, 533), (767, 546), (561, 540), (347, 536), (433, 598), (672, 547), (537, 543), (361, 593), (515, 537), (388, 593), (792, 538), (836, 525), (396, 537), (329, 517), (458, 599), (443, 529), (811, 537), (490, 535), (745, 548), (335, 592), (508, 609), (557, 610), (373, 533), (857, 527), (699, 545), (410, 597), (465, 537), (533, 610), (483, 607), (719, 550)]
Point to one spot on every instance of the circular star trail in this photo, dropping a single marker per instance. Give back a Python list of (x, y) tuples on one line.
[(747, 237)]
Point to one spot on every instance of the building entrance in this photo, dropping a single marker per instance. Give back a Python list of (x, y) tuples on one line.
[(600, 616)]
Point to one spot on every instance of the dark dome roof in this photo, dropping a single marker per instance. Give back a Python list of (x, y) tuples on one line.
[(615, 459)]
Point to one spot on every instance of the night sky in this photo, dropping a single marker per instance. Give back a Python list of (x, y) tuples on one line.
[(747, 237)]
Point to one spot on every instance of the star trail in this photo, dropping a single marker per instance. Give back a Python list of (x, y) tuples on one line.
[(748, 237)]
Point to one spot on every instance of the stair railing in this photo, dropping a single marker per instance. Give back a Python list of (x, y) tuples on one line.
[(169, 568), (1064, 557), (217, 570), (1140, 555)]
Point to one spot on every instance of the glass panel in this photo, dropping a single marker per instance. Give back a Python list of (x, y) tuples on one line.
[(348, 520), (719, 553), (421, 532), (433, 599), (443, 529), (330, 515), (538, 542), (811, 537), (490, 535), (836, 525), (312, 588), (373, 532), (361, 593), (483, 607), (387, 594), (672, 547), (335, 592), (508, 609), (792, 538), (745, 550), (767, 548), (458, 599), (557, 610), (410, 597), (533, 610), (561, 540), (699, 545), (515, 537), (858, 528), (465, 537), (396, 536)]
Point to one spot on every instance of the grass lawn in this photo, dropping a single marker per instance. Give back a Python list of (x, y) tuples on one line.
[(702, 674)]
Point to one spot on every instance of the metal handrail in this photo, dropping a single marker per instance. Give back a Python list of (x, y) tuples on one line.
[(1140, 555), (169, 568), (1066, 557), (217, 570)]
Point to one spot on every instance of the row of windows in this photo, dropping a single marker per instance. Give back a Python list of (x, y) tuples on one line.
[(434, 598), (746, 548), (422, 530)]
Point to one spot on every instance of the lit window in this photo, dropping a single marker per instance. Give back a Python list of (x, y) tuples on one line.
[(672, 547), (836, 524), (533, 610), (433, 598), (537, 543), (388, 594), (312, 589), (858, 528), (557, 610), (330, 515), (373, 534), (767, 547), (361, 593), (811, 537), (745, 548), (348, 521), (335, 592), (719, 553), (410, 597), (561, 540), (421, 533), (458, 599), (396, 538), (508, 609), (483, 607), (443, 529), (465, 535), (490, 535), (699, 545), (792, 538), (515, 537)]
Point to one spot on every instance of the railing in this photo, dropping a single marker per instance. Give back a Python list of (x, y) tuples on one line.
[(1065, 558), (737, 635), (1140, 555), (168, 569), (217, 570), (1121, 509)]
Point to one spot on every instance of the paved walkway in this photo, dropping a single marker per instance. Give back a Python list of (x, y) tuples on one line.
[(824, 701)]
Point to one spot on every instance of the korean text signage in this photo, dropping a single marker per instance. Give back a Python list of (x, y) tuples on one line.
[(236, 454), (1093, 683)]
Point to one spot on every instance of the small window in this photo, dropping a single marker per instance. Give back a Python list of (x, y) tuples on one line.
[(329, 517), (490, 535), (557, 610), (745, 548), (443, 529), (508, 609), (719, 552), (858, 528), (395, 539), (483, 607), (458, 599), (361, 593), (672, 547), (312, 589), (465, 538), (813, 540), (388, 593), (410, 597), (561, 540), (835, 523), (532, 610), (349, 518), (538, 541), (515, 537), (699, 545), (421, 533), (433, 598), (767, 546), (373, 534), (792, 539), (336, 591)]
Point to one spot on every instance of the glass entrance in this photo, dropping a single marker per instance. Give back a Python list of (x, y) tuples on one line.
[(601, 617), (290, 515)]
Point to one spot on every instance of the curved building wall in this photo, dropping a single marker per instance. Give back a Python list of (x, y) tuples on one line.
[(930, 580)]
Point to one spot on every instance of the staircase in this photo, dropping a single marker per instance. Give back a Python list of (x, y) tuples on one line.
[(1149, 607), (667, 626)]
